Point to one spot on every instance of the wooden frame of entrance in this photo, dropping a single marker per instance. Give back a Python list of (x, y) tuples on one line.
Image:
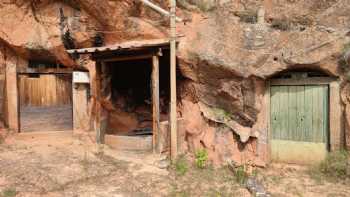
[(131, 50), (335, 108), (154, 56)]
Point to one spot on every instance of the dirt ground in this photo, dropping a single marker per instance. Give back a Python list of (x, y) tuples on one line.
[(55, 118), (293, 180), (66, 164)]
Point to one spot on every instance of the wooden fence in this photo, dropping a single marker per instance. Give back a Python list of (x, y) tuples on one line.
[(45, 89)]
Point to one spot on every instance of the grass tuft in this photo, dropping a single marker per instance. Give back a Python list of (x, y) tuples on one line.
[(240, 174), (335, 167), (201, 158), (9, 192), (181, 165), (336, 164)]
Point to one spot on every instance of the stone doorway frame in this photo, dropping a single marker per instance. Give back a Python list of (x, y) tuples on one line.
[(336, 131)]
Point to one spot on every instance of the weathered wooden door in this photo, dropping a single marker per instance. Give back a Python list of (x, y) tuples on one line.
[(45, 89), (299, 123)]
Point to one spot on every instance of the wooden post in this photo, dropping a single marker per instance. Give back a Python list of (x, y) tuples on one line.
[(97, 94), (12, 95), (80, 106), (173, 111), (105, 92), (155, 100)]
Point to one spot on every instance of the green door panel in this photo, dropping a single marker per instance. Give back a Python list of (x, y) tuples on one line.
[(299, 118)]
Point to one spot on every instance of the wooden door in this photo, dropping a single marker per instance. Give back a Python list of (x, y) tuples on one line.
[(299, 123), (45, 89)]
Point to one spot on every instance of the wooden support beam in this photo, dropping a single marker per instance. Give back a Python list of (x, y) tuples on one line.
[(98, 107), (159, 9), (173, 103), (105, 92), (155, 100), (80, 106)]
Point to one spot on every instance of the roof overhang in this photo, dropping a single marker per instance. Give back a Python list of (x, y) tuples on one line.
[(124, 46)]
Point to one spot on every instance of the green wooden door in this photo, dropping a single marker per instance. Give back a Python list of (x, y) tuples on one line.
[(299, 123)]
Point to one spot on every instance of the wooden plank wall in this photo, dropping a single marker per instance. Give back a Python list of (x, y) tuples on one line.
[(45, 90)]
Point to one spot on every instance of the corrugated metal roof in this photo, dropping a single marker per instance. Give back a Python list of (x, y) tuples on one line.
[(122, 46)]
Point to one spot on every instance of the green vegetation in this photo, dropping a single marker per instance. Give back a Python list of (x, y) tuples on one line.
[(205, 182), (335, 167), (181, 165), (205, 6), (182, 193), (240, 174), (201, 158), (336, 164), (9, 192), (176, 191), (346, 47)]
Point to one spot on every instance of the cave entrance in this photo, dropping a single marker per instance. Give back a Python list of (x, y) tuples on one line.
[(138, 102), (45, 98), (131, 90)]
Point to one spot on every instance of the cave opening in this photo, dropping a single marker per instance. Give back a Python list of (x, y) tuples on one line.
[(131, 95)]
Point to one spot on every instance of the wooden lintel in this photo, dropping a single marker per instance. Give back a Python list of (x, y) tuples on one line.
[(303, 81), (155, 100), (127, 58), (110, 56)]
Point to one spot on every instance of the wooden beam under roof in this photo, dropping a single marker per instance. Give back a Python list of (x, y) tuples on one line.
[(135, 55), (130, 45)]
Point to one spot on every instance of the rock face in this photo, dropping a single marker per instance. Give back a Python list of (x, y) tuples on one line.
[(229, 51)]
